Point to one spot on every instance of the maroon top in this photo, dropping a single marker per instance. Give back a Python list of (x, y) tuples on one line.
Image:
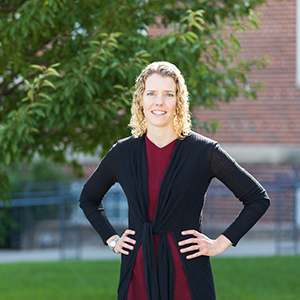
[(158, 159)]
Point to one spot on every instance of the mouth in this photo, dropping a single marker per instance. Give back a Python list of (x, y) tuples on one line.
[(158, 112)]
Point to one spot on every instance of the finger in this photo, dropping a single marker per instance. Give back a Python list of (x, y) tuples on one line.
[(191, 248), (121, 250), (129, 240), (188, 241), (191, 256), (192, 232), (123, 242), (129, 232), (121, 246), (126, 246)]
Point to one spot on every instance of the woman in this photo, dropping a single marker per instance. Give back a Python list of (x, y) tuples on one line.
[(165, 170)]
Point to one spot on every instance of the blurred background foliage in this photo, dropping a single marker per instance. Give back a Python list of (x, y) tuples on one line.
[(41, 170), (67, 68), (20, 176)]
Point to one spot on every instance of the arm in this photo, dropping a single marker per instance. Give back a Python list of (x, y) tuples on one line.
[(93, 192), (91, 203), (247, 189)]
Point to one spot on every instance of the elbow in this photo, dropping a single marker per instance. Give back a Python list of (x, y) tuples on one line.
[(267, 200), (262, 205), (266, 204), (82, 199), (87, 203)]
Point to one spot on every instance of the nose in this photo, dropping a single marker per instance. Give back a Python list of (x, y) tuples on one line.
[(159, 99)]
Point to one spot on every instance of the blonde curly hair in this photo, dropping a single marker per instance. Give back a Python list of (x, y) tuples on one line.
[(182, 117)]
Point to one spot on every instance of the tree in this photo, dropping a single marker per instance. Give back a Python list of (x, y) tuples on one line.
[(68, 67)]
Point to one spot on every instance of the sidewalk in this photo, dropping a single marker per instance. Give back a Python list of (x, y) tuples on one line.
[(55, 254), (244, 248)]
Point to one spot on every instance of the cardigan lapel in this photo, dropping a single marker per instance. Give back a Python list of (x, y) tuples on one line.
[(165, 190), (140, 173)]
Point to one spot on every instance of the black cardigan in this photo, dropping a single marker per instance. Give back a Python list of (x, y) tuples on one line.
[(194, 162)]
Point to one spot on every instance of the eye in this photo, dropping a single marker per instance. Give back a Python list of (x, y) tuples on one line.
[(170, 95), (150, 94)]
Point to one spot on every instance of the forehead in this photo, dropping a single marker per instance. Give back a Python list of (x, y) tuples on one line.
[(158, 82)]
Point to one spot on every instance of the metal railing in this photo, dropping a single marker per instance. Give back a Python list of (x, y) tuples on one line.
[(48, 215)]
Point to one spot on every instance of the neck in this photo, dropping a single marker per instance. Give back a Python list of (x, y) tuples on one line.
[(161, 139)]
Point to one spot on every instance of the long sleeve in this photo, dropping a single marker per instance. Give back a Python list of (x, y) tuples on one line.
[(247, 189), (93, 192)]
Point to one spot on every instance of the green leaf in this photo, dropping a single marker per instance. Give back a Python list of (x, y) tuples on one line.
[(34, 130), (104, 71), (38, 104), (57, 108), (48, 83), (97, 67), (116, 34), (14, 148), (88, 93), (55, 65), (40, 113), (7, 158), (192, 34), (118, 86), (27, 82), (45, 96), (30, 94), (102, 114), (190, 38), (83, 121), (41, 68), (52, 72), (69, 110), (20, 130), (95, 43), (171, 40)]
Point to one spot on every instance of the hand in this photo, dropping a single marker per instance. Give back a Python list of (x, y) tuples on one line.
[(125, 242), (203, 244)]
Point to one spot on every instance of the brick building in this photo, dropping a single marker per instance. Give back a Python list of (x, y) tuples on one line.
[(266, 130)]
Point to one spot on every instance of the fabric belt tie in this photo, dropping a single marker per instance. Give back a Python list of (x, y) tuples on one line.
[(160, 280)]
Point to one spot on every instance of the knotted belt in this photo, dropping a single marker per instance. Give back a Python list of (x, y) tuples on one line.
[(160, 279)]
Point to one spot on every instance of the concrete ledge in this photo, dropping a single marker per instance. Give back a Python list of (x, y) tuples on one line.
[(55, 254), (264, 154)]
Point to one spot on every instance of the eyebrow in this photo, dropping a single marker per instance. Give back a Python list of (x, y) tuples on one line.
[(164, 91)]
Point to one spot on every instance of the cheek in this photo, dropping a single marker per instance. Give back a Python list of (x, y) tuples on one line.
[(175, 104)]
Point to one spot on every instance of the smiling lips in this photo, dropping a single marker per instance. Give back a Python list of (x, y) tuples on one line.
[(158, 112)]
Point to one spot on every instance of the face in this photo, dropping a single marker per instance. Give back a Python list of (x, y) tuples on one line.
[(159, 102)]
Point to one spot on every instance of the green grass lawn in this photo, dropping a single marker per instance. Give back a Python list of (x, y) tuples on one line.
[(263, 278), (269, 278)]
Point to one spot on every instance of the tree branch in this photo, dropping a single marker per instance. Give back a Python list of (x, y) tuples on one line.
[(5, 92), (9, 9)]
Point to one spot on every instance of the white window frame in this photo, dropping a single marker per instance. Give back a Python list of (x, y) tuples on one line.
[(298, 43)]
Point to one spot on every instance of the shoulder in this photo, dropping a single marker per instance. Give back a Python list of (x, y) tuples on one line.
[(196, 139), (127, 143)]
